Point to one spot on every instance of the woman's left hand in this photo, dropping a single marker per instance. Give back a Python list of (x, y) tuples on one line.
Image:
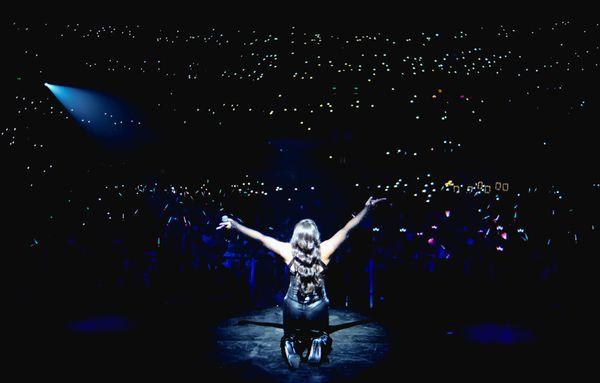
[(225, 224)]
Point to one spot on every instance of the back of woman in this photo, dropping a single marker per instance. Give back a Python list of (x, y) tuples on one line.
[(305, 306)]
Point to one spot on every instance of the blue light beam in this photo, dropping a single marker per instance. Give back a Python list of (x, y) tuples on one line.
[(105, 117)]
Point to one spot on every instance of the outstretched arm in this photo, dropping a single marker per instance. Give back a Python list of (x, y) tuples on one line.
[(284, 249), (329, 246)]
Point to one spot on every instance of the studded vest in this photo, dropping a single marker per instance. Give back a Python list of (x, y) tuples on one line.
[(295, 291)]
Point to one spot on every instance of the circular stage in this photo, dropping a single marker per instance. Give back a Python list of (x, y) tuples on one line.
[(248, 347)]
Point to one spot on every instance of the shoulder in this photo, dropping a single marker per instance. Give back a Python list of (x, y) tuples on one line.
[(287, 255)]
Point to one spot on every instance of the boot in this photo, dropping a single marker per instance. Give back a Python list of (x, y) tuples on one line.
[(319, 349), (291, 356)]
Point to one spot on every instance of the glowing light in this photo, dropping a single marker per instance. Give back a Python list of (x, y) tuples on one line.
[(98, 113)]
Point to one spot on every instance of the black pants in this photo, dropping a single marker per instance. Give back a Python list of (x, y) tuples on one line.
[(304, 322)]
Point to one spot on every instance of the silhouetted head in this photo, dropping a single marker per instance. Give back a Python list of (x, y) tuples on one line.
[(306, 247), (306, 236)]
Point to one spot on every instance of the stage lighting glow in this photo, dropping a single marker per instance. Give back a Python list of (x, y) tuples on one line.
[(103, 116)]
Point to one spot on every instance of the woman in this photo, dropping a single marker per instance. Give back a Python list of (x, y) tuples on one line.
[(305, 306)]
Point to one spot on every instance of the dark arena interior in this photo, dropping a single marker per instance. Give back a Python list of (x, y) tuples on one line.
[(133, 140)]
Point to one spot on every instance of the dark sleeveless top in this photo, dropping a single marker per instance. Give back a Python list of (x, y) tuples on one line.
[(295, 292)]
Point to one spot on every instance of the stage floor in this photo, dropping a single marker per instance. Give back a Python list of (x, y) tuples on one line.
[(193, 342), (248, 346)]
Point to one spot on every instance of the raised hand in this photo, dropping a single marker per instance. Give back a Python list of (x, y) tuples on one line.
[(226, 223), (372, 202)]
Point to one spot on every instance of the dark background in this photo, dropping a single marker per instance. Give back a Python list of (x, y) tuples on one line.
[(112, 292)]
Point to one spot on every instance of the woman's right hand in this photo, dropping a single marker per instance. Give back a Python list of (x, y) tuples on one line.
[(371, 203)]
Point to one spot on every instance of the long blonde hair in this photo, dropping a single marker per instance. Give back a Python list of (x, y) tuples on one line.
[(306, 246)]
